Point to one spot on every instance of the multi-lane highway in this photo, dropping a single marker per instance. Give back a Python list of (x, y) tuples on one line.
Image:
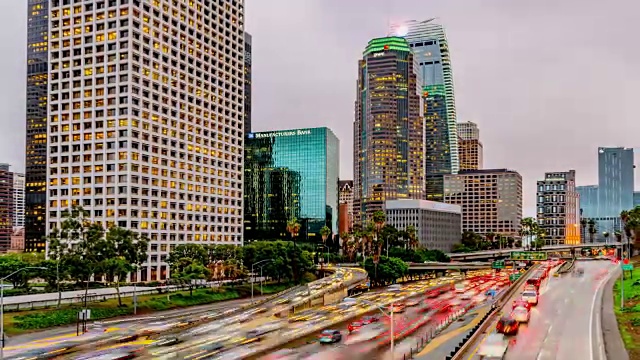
[(566, 322), (185, 327)]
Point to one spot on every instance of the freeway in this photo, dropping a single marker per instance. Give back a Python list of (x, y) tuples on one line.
[(566, 322), (190, 326), (372, 341)]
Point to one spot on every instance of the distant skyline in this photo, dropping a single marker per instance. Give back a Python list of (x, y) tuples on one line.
[(545, 84)]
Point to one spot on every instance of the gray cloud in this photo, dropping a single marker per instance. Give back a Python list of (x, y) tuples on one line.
[(547, 81)]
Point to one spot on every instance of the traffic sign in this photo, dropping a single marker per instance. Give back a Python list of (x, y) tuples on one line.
[(627, 267), (529, 255), (514, 277), (497, 264)]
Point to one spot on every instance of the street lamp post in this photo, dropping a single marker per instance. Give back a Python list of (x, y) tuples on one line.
[(253, 276), (2, 302), (391, 325)]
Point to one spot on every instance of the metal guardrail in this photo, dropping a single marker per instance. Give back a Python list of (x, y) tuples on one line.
[(471, 339)]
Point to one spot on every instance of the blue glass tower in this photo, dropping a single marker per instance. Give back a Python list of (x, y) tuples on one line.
[(290, 173), (430, 47)]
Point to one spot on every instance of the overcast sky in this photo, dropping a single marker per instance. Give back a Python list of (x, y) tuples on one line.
[(547, 81)]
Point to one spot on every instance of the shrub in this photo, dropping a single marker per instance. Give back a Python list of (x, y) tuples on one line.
[(43, 320)]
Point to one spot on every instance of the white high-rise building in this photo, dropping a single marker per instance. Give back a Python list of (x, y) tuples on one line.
[(146, 119), (18, 201)]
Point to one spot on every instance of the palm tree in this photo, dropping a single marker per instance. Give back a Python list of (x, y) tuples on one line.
[(378, 220), (412, 237), (606, 236), (583, 225), (592, 229), (293, 227), (490, 237), (529, 228), (618, 236), (344, 237), (324, 233)]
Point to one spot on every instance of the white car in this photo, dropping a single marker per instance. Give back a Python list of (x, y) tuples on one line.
[(521, 314), (530, 296), (494, 347)]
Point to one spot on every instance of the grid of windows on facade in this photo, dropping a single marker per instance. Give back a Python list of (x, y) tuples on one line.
[(557, 208), (6, 208), (436, 230), (291, 173), (36, 125), (146, 117), (388, 128), (491, 200)]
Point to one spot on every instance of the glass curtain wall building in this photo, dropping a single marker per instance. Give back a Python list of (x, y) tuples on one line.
[(614, 192), (290, 173), (438, 150), (36, 125), (429, 44), (388, 128), (247, 83)]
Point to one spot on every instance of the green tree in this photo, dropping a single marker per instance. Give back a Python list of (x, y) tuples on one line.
[(293, 228), (78, 244), (123, 250), (389, 270), (191, 273), (184, 255), (528, 229)]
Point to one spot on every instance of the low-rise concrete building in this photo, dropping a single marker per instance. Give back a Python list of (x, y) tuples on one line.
[(438, 225)]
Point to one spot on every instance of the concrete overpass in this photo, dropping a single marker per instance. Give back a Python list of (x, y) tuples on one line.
[(436, 265), (505, 253)]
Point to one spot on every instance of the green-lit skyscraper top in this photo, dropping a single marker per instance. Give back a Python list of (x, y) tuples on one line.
[(387, 43)]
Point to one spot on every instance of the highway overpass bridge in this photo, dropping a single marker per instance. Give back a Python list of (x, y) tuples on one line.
[(436, 265), (505, 253)]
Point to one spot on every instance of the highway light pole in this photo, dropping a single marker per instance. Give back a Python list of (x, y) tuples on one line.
[(2, 303), (390, 316), (253, 276)]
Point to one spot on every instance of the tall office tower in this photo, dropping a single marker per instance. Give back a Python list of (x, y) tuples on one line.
[(613, 194), (491, 200), (437, 149), (469, 146), (615, 180), (146, 117), (18, 201), (430, 46), (291, 173), (345, 210), (468, 131), (36, 125), (247, 83), (388, 145), (6, 207), (558, 210)]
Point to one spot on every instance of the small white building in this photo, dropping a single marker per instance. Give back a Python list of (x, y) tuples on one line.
[(438, 225)]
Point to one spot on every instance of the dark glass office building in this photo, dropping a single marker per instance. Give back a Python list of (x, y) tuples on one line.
[(388, 129), (36, 125), (290, 173), (438, 149)]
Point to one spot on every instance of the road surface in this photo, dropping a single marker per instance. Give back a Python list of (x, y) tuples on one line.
[(566, 322)]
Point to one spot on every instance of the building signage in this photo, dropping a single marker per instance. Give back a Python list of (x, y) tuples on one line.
[(378, 54), (279, 134)]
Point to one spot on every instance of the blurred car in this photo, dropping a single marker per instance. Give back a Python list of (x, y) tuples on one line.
[(507, 325), (520, 314), (521, 303), (330, 337), (369, 320), (445, 308), (412, 302), (494, 347), (398, 308), (530, 287), (355, 326), (530, 296)]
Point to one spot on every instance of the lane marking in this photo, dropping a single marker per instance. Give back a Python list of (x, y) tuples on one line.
[(591, 316)]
